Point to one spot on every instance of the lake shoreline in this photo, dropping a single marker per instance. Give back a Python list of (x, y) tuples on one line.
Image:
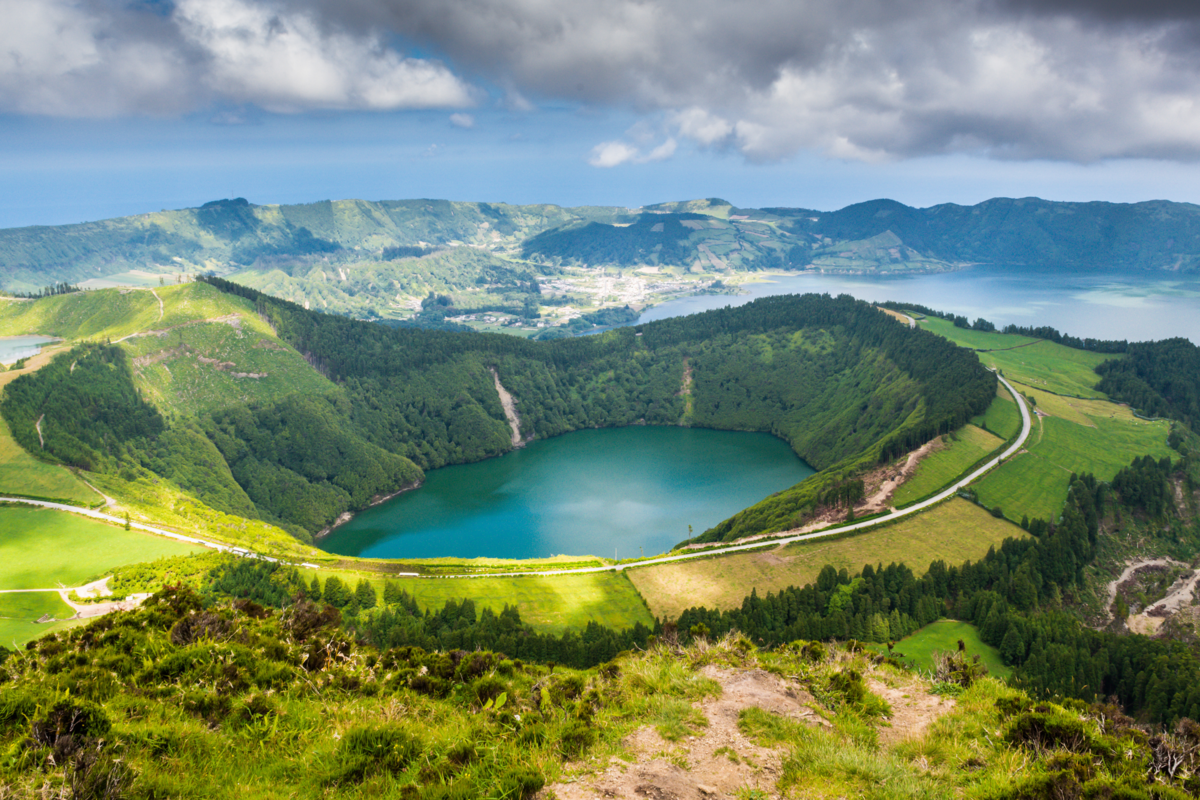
[(378, 499), (612, 491)]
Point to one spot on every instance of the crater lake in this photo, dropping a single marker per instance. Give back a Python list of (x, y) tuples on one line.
[(611, 492)]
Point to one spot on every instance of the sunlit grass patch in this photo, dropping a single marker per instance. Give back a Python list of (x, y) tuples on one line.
[(917, 649), (954, 531), (960, 450), (22, 475), (1035, 482), (1002, 416)]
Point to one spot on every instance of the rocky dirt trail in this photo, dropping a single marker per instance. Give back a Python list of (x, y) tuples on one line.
[(721, 762), (718, 762)]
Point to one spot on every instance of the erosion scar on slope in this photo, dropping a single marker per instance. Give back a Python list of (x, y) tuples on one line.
[(510, 410)]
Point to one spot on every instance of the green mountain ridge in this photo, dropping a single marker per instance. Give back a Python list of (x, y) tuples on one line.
[(260, 408), (705, 236)]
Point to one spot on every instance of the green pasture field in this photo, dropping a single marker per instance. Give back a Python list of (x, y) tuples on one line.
[(45, 549), (1050, 366), (975, 340), (1042, 364), (22, 475), (164, 506), (1002, 417), (954, 532), (18, 612), (1035, 481), (944, 635), (959, 451), (551, 604)]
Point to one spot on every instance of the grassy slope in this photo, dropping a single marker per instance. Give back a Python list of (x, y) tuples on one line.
[(962, 449), (944, 635), (1089, 436), (357, 729), (41, 549), (1002, 417), (111, 313), (1079, 435), (953, 531), (209, 324), (21, 474), (164, 506), (1042, 364), (205, 324), (551, 604)]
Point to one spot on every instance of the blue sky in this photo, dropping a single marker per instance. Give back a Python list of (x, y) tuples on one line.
[(118, 108)]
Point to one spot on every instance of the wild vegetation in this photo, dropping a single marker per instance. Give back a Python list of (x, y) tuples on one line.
[(325, 713), (954, 531), (870, 389)]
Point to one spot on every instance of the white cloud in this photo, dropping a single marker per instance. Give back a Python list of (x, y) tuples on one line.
[(612, 154), (859, 79), (291, 63), (617, 152), (462, 120), (90, 58), (862, 79)]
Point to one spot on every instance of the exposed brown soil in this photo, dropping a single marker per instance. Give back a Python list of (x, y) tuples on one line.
[(718, 762), (913, 708), (881, 484), (685, 388), (510, 410)]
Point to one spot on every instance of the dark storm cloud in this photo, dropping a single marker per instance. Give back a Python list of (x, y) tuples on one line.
[(862, 79), (1118, 11)]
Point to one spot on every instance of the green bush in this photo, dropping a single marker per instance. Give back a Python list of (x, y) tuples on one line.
[(365, 751)]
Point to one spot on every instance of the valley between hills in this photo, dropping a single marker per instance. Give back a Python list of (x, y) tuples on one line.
[(1030, 494)]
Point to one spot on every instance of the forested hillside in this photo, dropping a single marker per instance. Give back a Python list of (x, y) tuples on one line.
[(869, 388), (1027, 232), (1160, 379), (226, 234), (841, 382)]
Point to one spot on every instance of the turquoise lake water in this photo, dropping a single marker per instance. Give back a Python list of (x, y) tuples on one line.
[(14, 348), (615, 491)]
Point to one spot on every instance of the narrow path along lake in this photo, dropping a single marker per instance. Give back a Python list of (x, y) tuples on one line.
[(615, 491)]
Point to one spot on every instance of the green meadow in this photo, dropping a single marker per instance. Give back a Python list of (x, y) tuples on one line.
[(22, 475), (1002, 416), (551, 604), (975, 340), (917, 650), (45, 549), (1035, 481), (18, 612), (954, 532), (1034, 362), (959, 450)]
